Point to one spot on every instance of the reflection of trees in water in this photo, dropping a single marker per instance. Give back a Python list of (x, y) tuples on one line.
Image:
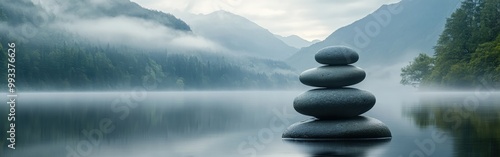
[(474, 125), (64, 120)]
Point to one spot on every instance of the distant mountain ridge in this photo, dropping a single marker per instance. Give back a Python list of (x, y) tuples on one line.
[(118, 45), (392, 33), (296, 41), (111, 8), (238, 34)]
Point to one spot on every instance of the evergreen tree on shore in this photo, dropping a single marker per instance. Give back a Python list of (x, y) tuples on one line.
[(466, 54)]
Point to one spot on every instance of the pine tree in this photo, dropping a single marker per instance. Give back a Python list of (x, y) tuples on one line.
[(466, 50)]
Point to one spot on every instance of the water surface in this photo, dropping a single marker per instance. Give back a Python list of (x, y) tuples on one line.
[(249, 123)]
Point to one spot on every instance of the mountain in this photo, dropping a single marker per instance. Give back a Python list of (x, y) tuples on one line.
[(238, 34), (88, 9), (393, 33), (296, 41), (118, 45)]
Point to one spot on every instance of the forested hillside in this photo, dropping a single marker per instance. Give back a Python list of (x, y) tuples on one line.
[(468, 51), (60, 59), (85, 67)]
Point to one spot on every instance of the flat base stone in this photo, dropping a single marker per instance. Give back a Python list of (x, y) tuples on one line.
[(339, 148), (356, 128)]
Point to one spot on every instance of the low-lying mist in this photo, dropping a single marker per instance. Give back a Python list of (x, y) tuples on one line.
[(110, 48)]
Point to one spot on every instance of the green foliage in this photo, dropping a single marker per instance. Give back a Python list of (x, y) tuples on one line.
[(486, 61), (2, 14), (20, 12), (79, 67), (126, 8), (421, 66), (465, 55)]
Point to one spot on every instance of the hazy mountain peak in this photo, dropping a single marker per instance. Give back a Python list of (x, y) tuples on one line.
[(296, 41), (92, 9), (390, 35), (238, 34), (222, 12)]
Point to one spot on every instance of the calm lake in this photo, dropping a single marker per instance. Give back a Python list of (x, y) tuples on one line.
[(247, 123)]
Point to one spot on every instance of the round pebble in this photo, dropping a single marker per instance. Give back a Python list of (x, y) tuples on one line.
[(336, 55)]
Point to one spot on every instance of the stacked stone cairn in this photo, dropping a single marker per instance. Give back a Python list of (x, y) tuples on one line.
[(336, 107)]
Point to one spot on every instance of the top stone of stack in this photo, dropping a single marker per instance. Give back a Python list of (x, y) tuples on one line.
[(336, 55)]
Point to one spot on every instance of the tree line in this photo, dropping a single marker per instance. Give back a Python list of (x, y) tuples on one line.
[(76, 66), (467, 54)]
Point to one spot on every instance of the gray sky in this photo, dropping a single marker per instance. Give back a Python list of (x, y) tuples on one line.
[(309, 19)]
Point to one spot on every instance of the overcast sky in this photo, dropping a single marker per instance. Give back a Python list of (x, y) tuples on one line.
[(309, 19)]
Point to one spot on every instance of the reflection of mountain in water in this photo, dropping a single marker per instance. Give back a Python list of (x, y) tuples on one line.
[(174, 121), (472, 119)]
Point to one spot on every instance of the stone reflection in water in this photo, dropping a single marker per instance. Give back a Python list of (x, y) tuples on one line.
[(339, 148), (472, 119)]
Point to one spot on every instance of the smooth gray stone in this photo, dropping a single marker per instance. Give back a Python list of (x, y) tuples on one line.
[(332, 76), (334, 103), (346, 148), (356, 128), (336, 55)]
